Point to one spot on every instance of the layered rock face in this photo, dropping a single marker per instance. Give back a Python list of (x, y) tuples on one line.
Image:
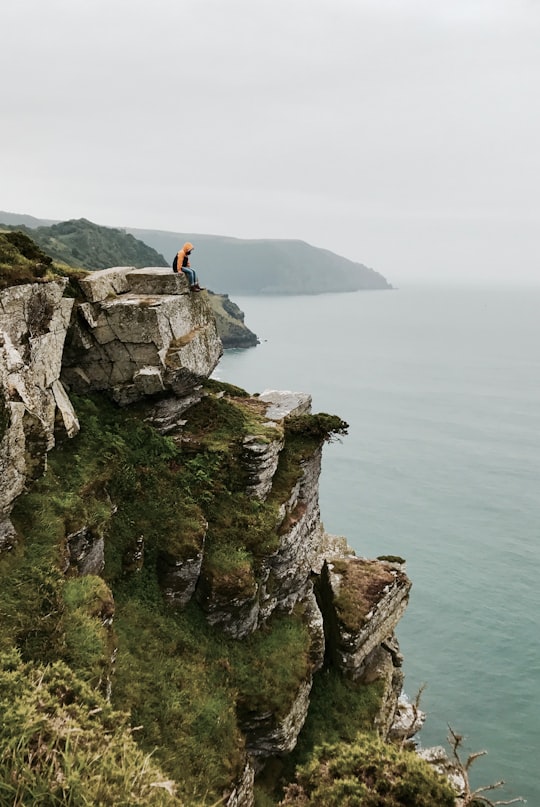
[(140, 332), (351, 605), (33, 323)]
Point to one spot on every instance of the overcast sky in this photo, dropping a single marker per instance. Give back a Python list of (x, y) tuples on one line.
[(404, 134)]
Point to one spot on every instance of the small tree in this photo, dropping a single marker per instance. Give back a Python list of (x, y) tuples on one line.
[(476, 797)]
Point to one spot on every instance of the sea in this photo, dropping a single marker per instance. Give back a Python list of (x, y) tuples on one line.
[(440, 387)]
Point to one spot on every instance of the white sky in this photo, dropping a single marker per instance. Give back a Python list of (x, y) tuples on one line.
[(404, 134)]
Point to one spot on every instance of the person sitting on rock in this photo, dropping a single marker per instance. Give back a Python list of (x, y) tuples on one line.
[(181, 264)]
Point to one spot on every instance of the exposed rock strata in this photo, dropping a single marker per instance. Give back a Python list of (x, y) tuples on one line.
[(140, 333), (178, 577), (260, 461), (267, 735), (242, 794), (33, 324), (363, 601), (232, 329)]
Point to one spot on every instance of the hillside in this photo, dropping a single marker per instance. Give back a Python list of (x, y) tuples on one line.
[(22, 261), (83, 244), (266, 266), (226, 265)]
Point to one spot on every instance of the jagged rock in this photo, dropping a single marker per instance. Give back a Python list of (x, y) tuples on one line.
[(97, 286), (65, 409), (86, 552), (286, 574), (242, 794), (232, 329), (136, 344), (241, 604), (230, 600), (379, 666), (166, 415), (178, 577), (33, 323), (362, 601), (7, 535), (439, 760), (260, 460), (313, 619), (331, 546), (267, 736), (408, 719)]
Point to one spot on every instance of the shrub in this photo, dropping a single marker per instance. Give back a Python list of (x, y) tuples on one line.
[(62, 744), (368, 773)]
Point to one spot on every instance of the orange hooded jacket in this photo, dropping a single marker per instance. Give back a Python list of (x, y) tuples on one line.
[(183, 254)]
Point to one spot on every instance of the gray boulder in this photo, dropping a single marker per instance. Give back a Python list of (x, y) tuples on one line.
[(152, 336)]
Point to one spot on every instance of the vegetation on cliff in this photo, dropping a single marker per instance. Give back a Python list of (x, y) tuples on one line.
[(62, 743), (367, 773), (177, 677), (23, 261), (83, 244), (186, 688)]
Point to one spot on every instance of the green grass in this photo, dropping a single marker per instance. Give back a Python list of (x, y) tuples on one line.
[(61, 743), (186, 683), (184, 686)]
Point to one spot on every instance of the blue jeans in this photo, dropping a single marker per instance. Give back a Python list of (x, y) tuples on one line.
[(192, 277)]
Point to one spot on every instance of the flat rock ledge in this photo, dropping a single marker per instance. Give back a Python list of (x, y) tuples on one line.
[(284, 403), (362, 600)]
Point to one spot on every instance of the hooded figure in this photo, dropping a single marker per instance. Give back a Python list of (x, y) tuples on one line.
[(181, 264)]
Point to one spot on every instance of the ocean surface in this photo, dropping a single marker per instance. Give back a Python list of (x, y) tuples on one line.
[(441, 388)]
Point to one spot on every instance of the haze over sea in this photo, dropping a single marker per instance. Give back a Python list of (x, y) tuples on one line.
[(441, 388)]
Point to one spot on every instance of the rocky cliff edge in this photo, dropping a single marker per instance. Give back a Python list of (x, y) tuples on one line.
[(248, 550)]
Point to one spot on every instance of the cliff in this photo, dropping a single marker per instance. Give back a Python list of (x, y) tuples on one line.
[(163, 565), (232, 329), (82, 244)]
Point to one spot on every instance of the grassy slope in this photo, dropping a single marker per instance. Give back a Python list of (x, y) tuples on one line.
[(182, 683), (82, 244), (23, 261)]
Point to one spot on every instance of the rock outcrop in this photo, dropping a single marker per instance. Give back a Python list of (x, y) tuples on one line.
[(232, 329), (33, 323), (139, 333)]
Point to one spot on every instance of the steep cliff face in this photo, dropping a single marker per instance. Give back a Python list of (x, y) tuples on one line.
[(33, 324), (140, 332), (232, 329), (200, 508)]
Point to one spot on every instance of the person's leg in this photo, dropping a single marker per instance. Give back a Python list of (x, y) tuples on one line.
[(191, 276)]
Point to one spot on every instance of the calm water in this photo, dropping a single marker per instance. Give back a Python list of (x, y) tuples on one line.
[(441, 388)]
